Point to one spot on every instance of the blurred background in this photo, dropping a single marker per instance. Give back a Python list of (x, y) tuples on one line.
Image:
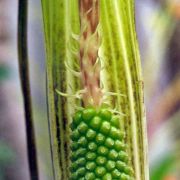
[(158, 30)]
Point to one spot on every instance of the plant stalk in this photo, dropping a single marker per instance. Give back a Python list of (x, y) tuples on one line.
[(25, 85)]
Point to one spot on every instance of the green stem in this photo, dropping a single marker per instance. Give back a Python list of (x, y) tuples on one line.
[(25, 85)]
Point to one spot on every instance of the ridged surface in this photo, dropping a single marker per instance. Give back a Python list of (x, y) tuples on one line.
[(98, 150)]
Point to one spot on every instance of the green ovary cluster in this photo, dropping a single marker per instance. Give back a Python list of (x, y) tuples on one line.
[(97, 147)]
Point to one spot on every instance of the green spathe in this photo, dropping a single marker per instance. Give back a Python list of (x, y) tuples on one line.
[(120, 79)]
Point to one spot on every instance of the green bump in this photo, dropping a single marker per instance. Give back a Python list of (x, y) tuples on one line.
[(72, 126), (125, 177), (128, 170), (120, 166), (118, 145), (107, 177), (113, 154), (102, 150), (75, 135), (82, 178), (120, 135), (81, 152), (105, 127), (110, 165), (100, 160), (105, 114), (92, 146), (116, 133), (123, 156), (95, 123), (74, 176), (82, 128), (77, 118), (90, 176), (100, 138), (81, 171), (109, 142), (73, 167), (91, 134), (73, 156), (81, 162), (90, 166), (116, 174), (82, 141), (74, 146), (90, 156), (100, 171), (115, 121), (88, 114), (113, 132)]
